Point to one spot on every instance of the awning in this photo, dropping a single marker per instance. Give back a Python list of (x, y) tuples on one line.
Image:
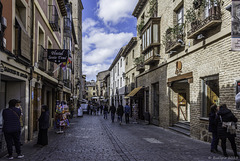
[(134, 92)]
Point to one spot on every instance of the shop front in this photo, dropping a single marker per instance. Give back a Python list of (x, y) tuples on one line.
[(14, 84)]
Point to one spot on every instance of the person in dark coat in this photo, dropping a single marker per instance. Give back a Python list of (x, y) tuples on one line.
[(225, 115), (213, 128), (12, 128), (120, 113), (43, 126), (105, 111), (113, 111)]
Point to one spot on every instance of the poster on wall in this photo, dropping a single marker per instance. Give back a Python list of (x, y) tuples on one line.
[(235, 30)]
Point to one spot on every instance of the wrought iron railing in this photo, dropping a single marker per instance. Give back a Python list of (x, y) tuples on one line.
[(203, 23), (67, 24), (53, 17), (41, 58)]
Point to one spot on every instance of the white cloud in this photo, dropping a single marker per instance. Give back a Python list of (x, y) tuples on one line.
[(115, 11), (92, 70), (88, 23)]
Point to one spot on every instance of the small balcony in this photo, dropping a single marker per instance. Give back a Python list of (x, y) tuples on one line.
[(67, 25), (42, 55), (53, 17), (140, 67), (152, 56), (208, 21), (50, 68)]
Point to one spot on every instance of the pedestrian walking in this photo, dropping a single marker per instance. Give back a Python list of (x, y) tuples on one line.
[(101, 109), (226, 128), (127, 111), (43, 126), (120, 113), (91, 109), (213, 128), (105, 110), (113, 111), (12, 128)]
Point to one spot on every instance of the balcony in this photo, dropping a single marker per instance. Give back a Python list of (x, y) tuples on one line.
[(53, 17), (151, 40), (50, 68), (67, 83), (152, 56), (209, 21), (140, 67), (173, 37), (67, 25), (42, 55)]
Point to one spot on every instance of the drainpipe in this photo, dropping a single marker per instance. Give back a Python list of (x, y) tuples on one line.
[(31, 69)]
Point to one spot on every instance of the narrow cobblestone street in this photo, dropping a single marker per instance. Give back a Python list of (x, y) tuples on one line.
[(93, 138)]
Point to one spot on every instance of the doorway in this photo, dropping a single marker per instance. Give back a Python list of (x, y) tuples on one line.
[(182, 107)]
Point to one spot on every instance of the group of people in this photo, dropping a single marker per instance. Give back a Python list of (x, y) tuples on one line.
[(13, 123), (222, 124), (119, 111)]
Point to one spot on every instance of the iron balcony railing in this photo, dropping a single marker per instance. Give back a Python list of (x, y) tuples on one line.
[(41, 58), (53, 17), (204, 23)]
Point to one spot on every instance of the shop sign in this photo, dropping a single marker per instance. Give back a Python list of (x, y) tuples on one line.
[(57, 55), (12, 71), (235, 30)]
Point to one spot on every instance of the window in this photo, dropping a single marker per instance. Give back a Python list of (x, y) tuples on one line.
[(118, 68), (126, 60), (121, 82), (133, 54), (133, 78), (211, 8), (210, 93), (121, 63), (93, 88), (118, 83), (180, 15), (94, 93), (21, 13)]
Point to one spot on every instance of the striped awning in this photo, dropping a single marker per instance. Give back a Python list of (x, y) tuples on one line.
[(134, 92)]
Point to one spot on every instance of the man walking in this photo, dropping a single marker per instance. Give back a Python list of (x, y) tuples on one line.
[(113, 111), (127, 113), (12, 128)]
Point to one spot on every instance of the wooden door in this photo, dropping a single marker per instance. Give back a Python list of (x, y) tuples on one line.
[(182, 107)]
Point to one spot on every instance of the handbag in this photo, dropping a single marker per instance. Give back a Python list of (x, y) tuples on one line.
[(231, 126)]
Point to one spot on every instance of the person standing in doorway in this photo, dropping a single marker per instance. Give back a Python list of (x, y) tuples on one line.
[(225, 117), (113, 111), (12, 128), (43, 126), (120, 113), (213, 128), (127, 112)]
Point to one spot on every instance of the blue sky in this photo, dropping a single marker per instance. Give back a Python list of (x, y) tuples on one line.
[(107, 26)]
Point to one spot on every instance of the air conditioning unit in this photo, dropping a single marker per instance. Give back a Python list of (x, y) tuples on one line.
[(4, 22), (4, 43)]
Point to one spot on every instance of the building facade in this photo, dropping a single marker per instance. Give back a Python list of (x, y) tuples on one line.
[(77, 8), (117, 82), (189, 62), (91, 91), (28, 34), (100, 84)]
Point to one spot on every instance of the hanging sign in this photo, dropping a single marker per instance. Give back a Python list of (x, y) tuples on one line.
[(57, 55), (235, 31)]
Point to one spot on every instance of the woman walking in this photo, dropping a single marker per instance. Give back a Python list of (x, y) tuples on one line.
[(43, 126), (225, 119)]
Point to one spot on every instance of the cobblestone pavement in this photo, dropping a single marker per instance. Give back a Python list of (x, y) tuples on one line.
[(92, 138)]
